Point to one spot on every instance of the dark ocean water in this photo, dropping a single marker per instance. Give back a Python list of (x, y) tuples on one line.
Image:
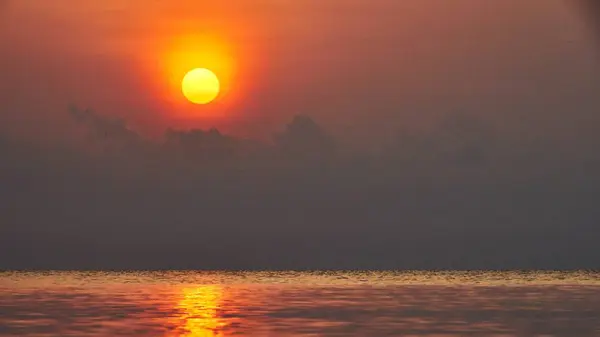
[(299, 304)]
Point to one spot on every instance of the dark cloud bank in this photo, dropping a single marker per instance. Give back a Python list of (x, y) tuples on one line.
[(591, 10), (461, 196)]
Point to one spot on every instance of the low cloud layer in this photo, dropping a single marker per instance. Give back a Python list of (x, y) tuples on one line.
[(460, 196)]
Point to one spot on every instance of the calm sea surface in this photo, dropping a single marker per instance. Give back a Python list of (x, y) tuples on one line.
[(299, 304)]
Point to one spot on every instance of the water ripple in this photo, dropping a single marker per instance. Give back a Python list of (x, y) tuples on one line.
[(222, 304)]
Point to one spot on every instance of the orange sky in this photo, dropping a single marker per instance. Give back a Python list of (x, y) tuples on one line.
[(352, 64)]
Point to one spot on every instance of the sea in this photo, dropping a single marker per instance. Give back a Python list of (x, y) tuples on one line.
[(316, 303)]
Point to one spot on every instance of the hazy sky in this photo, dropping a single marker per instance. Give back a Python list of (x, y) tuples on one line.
[(355, 65), (448, 134)]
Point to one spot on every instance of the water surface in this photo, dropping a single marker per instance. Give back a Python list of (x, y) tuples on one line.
[(299, 304)]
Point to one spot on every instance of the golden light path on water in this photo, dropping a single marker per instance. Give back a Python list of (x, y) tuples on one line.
[(200, 312), (291, 304)]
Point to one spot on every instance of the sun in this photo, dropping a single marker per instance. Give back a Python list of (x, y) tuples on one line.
[(200, 86)]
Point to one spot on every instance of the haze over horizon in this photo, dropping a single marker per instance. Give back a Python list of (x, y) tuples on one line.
[(381, 135)]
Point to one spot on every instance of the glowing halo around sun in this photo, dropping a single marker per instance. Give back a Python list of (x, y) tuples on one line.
[(176, 63), (200, 86)]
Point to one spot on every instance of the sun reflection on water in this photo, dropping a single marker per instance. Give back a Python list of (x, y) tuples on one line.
[(199, 308), (219, 304)]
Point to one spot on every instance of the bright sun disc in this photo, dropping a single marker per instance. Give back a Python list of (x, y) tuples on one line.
[(200, 86)]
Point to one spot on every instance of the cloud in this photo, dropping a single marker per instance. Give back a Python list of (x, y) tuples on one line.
[(196, 193), (459, 141), (304, 139), (104, 127), (208, 145), (591, 11)]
